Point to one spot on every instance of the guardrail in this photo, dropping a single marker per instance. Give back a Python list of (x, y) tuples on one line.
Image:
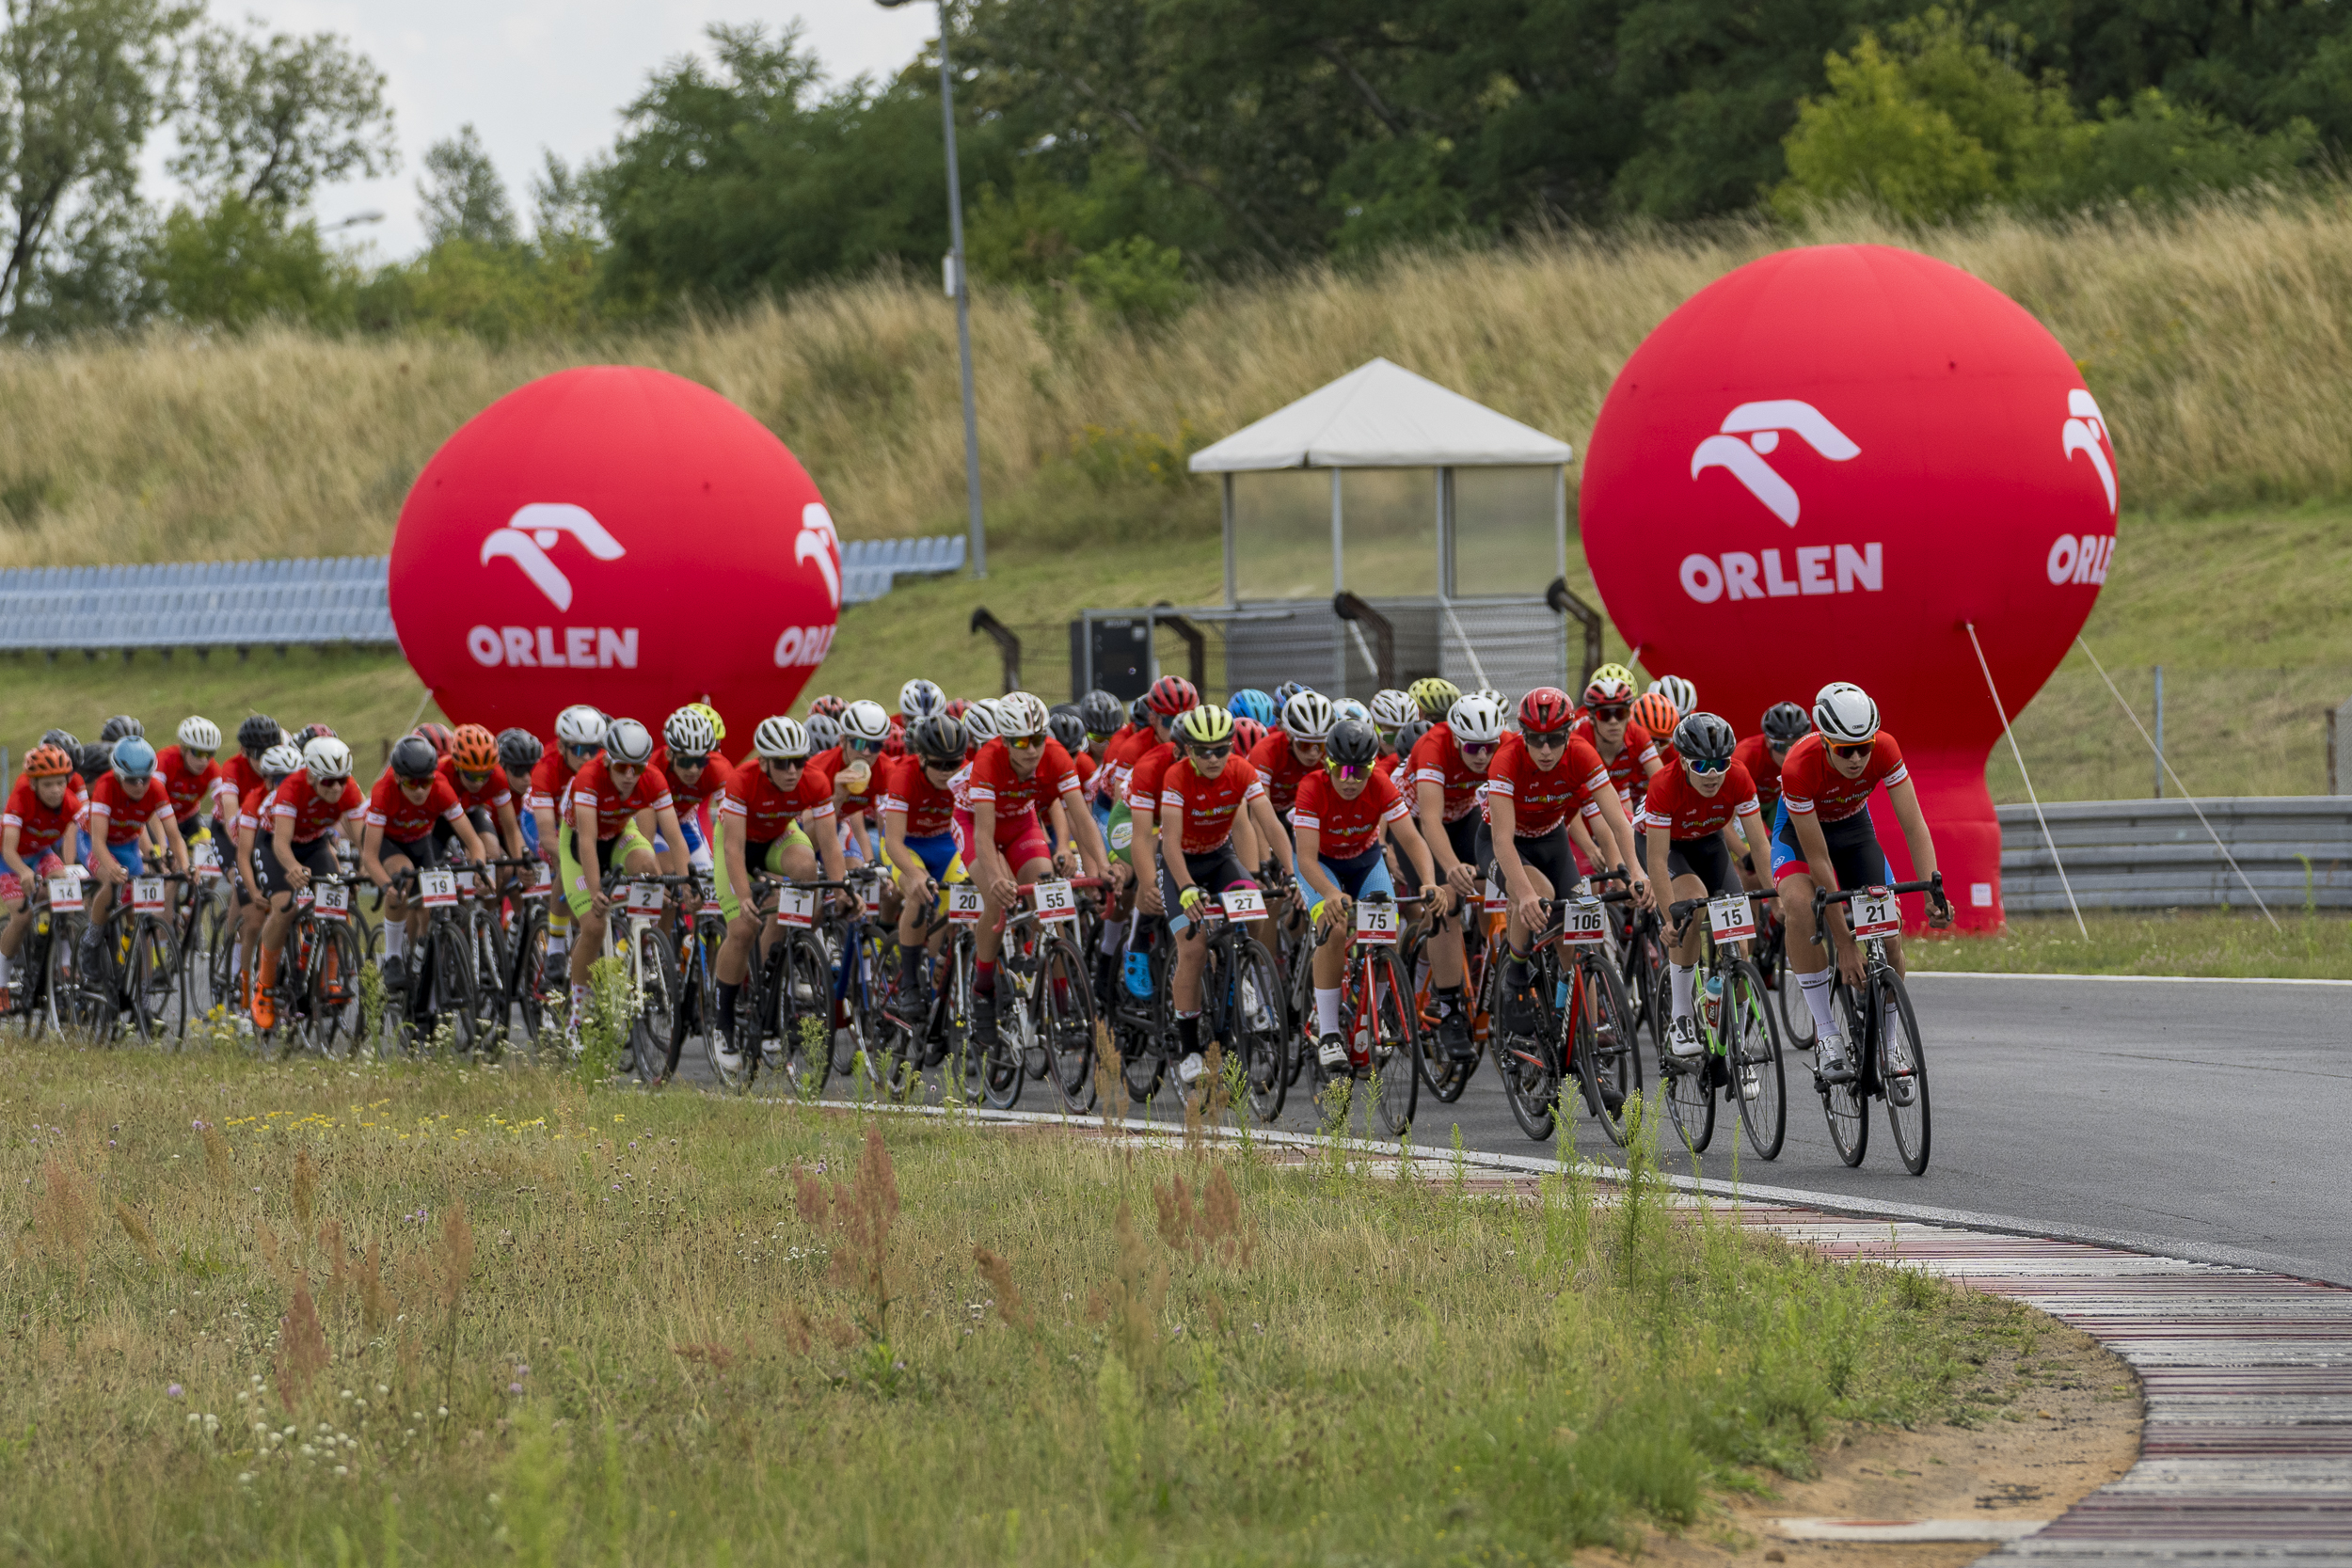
[(2155, 854)]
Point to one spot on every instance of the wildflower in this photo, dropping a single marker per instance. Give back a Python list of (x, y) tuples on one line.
[(175, 1391)]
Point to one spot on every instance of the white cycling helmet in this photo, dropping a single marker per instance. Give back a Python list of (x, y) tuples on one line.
[(690, 733), (1844, 713), (780, 738), (280, 760), (865, 719), (581, 725), (920, 699), (980, 724), (1676, 690), (1477, 720), (1394, 709), (198, 734), (1308, 716), (625, 740), (1344, 709), (824, 732), (1020, 713), (326, 757)]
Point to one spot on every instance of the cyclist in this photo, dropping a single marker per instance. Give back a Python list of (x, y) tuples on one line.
[(1689, 813), (1608, 726), (824, 732), (1341, 814), (775, 816), (1681, 693), (308, 810), (917, 805), (1063, 723), (607, 805), (920, 699), (193, 779), (864, 729), (578, 737), (1435, 697), (1449, 773), (256, 734), (36, 841), (1784, 726), (1658, 716), (406, 810), (520, 754), (1823, 837), (276, 764), (1200, 798), (471, 768), (125, 803), (1539, 777), (1286, 756), (690, 759), (1170, 698), (1392, 710), (1016, 779)]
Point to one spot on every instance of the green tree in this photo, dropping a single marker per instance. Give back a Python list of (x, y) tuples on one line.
[(238, 262), (270, 120), (464, 198)]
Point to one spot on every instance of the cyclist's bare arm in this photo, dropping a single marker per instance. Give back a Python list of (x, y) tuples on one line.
[(371, 855), (23, 873), (1145, 848), (1261, 813), (510, 829), (1913, 823), (674, 841), (1409, 839), (471, 840), (1760, 852), (895, 846), (1081, 831), (584, 852), (1621, 830)]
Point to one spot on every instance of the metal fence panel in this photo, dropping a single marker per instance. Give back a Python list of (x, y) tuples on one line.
[(2155, 854), (1513, 645)]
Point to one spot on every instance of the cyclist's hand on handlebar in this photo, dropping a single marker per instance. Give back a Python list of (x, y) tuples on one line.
[(1463, 879), (1529, 910), (1332, 916), (1148, 899), (1644, 897), (1193, 899), (1939, 911)]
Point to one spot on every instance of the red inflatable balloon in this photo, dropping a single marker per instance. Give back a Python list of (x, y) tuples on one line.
[(1827, 466), (619, 536)]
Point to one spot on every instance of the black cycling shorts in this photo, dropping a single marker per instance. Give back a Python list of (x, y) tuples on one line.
[(1705, 858), (423, 853), (1854, 851), (1549, 853), (1215, 871), (445, 831), (317, 855)]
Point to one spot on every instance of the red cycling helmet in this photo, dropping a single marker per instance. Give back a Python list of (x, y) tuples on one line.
[(440, 735), (1545, 711), (956, 707), (827, 706), (1248, 732), (1171, 695)]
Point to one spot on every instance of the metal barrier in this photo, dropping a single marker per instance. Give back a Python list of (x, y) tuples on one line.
[(2155, 854)]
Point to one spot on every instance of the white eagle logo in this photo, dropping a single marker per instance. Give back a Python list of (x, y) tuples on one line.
[(820, 542), (1761, 424), (533, 530)]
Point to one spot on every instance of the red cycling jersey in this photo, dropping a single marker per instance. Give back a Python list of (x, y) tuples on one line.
[(705, 786), (593, 785), (1281, 769), (1674, 804), (1086, 765), (1143, 779), (995, 782), (1541, 800), (1629, 768), (243, 777), (39, 827), (1755, 754), (490, 797), (1345, 828), (1209, 804), (189, 791), (1809, 784), (294, 801), (124, 816), (404, 820), (766, 813), (929, 808), (255, 805), (549, 777), (859, 801), (1437, 760)]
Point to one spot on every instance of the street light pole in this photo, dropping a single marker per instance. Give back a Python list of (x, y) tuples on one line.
[(960, 285)]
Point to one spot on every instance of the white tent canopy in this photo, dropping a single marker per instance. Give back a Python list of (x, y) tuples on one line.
[(1381, 415)]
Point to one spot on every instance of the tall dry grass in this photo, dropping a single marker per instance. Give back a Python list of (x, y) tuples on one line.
[(2214, 337)]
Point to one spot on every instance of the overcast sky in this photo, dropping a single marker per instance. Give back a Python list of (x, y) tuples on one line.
[(534, 74)]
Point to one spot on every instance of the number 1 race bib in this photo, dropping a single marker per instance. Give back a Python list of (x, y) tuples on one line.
[(964, 903), (1056, 904), (440, 889), (332, 901), (1731, 917), (1376, 923), (644, 900), (1243, 903), (1876, 914), (796, 906), (147, 895), (1583, 920)]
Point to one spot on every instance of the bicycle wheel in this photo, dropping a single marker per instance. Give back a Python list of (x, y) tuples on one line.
[(1607, 1049), (803, 1004), (332, 1000), (1902, 1071), (152, 984), (1395, 1043), (526, 970), (456, 1001), (1004, 1068), (1752, 1043), (485, 945), (69, 1008), (656, 1035), (731, 1054), (1063, 1004), (1262, 1034), (221, 978), (858, 991), (1689, 1087), (1848, 1106), (1796, 1019)]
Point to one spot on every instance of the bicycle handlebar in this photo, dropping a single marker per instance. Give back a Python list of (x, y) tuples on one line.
[(1823, 897)]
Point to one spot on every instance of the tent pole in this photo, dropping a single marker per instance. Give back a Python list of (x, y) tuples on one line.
[(1229, 600), (1339, 585), (1560, 535)]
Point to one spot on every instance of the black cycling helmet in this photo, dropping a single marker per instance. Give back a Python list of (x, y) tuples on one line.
[(519, 749), (64, 739), (1139, 712), (1704, 738), (937, 739), (1408, 736), (1353, 743), (1101, 713), (1065, 725), (121, 725), (258, 733), (95, 759), (1786, 722), (414, 759)]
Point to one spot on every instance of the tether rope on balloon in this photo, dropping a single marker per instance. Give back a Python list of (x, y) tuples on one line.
[(2047, 838)]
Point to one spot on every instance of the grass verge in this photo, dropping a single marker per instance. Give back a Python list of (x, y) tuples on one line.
[(2217, 944), (303, 1312)]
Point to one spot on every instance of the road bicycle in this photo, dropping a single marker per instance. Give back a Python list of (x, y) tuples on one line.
[(636, 933), (516, 989), (1379, 1021), (933, 1024), (861, 950), (131, 963), (437, 991), (44, 983), (1881, 1033), (784, 1013), (1443, 1074), (1739, 1029), (315, 998), (1581, 1022), (1043, 1005)]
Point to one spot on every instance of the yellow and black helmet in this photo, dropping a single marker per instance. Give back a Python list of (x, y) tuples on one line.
[(1206, 725)]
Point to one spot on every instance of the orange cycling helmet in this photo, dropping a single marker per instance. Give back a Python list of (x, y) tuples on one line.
[(474, 749), (1654, 713), (48, 762)]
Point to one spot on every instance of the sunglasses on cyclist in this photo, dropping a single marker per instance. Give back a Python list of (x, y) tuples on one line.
[(194, 759), (1025, 742), (689, 759), (579, 751), (1479, 745), (1348, 770), (1706, 764), (861, 746), (1863, 750), (1615, 713), (1551, 740), (774, 764), (1208, 753)]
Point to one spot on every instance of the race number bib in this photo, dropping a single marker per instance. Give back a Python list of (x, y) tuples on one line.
[(440, 889), (332, 901), (1056, 904), (1243, 903), (464, 882), (542, 882), (1876, 914), (1375, 923), (644, 900), (796, 906), (1583, 920), (147, 895), (1497, 901), (1731, 917), (205, 859), (964, 903), (65, 894)]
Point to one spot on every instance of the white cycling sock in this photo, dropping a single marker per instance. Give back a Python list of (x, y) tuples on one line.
[(1327, 1010), (1815, 988), (395, 939), (1114, 935), (1685, 982), (4, 969)]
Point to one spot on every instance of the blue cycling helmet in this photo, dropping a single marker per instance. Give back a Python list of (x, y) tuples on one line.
[(133, 758), (1284, 692), (1250, 702)]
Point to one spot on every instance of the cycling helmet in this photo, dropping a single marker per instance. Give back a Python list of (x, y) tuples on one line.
[(980, 722), (1408, 736), (1612, 671), (311, 731), (1349, 707), (1656, 712), (133, 758), (258, 733), (61, 738), (824, 733), (1100, 712), (414, 760), (474, 749), (956, 707), (280, 760), (687, 733), (937, 740), (1546, 710), (1171, 695), (1065, 725), (1844, 713), (627, 741), (198, 734), (1500, 700), (120, 725), (1308, 716), (1787, 724), (1353, 743), (1284, 692), (1392, 709), (326, 759), (779, 738), (1476, 719), (1139, 713), (865, 721), (1676, 690), (1608, 688), (1250, 702), (920, 699), (1020, 713), (1205, 725), (519, 749), (826, 707), (438, 735), (48, 762), (94, 759), (1704, 738), (718, 725), (579, 725), (1248, 732), (1435, 696)]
